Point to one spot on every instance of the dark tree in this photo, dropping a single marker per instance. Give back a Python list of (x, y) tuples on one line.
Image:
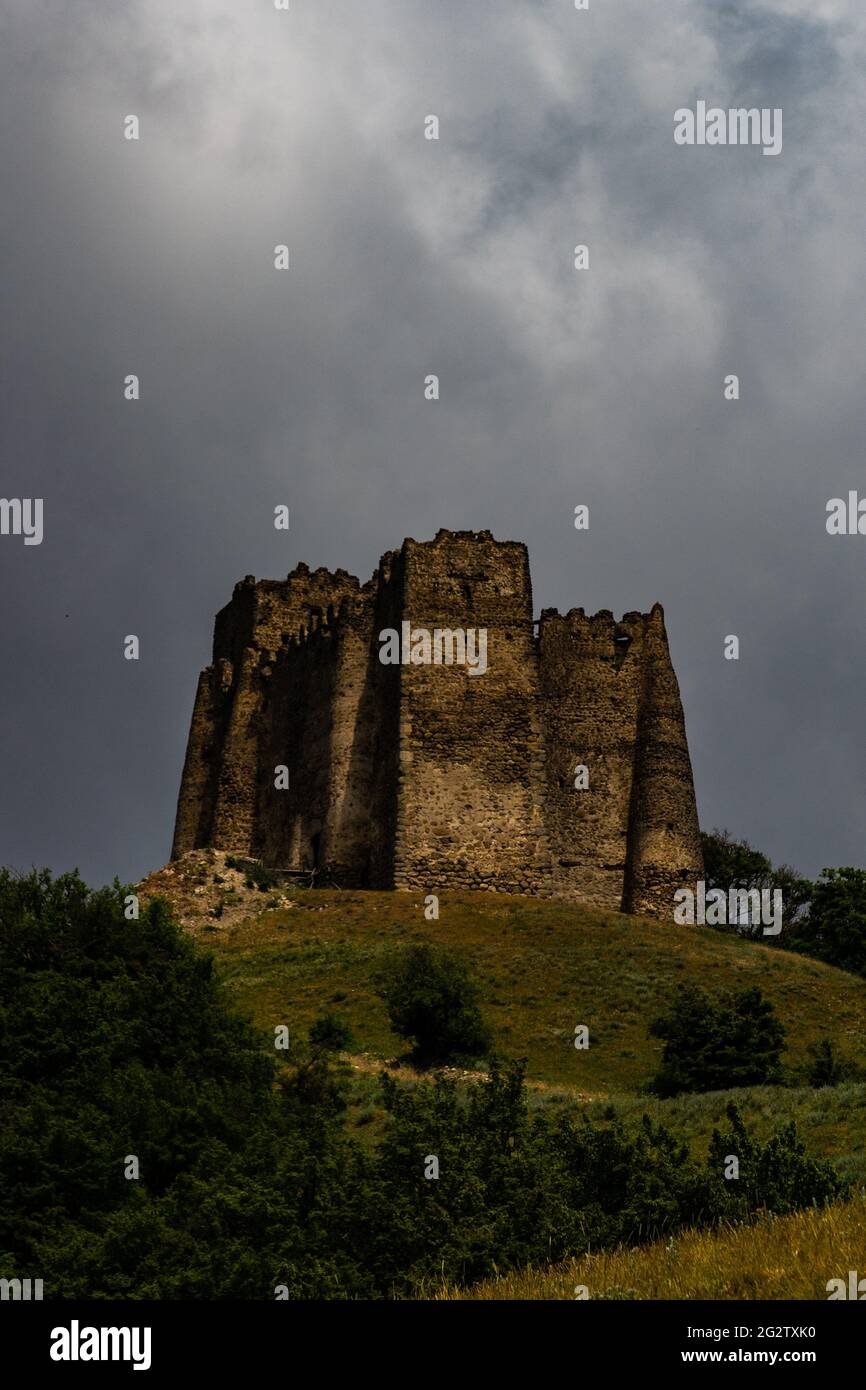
[(432, 1002), (713, 1045), (835, 929), (730, 863)]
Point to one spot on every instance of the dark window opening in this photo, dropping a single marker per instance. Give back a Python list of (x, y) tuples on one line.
[(621, 644)]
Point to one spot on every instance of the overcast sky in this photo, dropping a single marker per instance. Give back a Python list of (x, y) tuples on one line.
[(409, 257)]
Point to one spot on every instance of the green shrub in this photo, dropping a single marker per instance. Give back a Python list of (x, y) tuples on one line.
[(778, 1175), (825, 1068), (255, 876), (330, 1033), (432, 1003), (713, 1045)]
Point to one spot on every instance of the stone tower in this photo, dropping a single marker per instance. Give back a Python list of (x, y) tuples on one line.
[(424, 773)]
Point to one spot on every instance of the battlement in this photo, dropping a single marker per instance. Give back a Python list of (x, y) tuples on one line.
[(323, 625), (268, 613), (414, 774)]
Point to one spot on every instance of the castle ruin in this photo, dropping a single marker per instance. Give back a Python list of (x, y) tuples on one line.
[(428, 775)]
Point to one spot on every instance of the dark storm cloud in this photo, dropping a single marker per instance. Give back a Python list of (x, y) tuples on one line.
[(411, 257)]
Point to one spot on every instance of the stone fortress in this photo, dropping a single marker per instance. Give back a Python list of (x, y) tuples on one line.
[(427, 776)]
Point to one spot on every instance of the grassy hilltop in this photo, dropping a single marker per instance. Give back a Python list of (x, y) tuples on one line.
[(543, 967)]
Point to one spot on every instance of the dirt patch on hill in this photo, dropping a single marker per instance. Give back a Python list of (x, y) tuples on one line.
[(404, 1071), (209, 888)]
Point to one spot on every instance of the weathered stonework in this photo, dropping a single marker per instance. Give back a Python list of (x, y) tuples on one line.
[(425, 776)]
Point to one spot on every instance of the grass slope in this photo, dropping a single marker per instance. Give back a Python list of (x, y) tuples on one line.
[(543, 967), (786, 1257), (831, 1121)]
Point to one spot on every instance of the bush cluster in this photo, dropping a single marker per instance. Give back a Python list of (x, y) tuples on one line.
[(118, 1040)]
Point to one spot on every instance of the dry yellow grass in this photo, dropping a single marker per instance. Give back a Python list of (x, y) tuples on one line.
[(778, 1258)]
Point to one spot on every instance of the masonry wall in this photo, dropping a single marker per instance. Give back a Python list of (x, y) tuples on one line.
[(195, 805), (298, 717), (664, 836), (424, 776), (592, 680), (326, 716), (224, 773), (611, 705), (471, 758)]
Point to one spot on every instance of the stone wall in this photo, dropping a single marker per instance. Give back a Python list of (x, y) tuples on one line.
[(425, 776), (223, 784), (664, 836), (470, 792), (592, 676), (610, 705)]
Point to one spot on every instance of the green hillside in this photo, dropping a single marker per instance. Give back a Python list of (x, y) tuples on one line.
[(543, 967), (288, 955)]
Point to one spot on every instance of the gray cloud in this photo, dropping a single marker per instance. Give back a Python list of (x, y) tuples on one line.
[(410, 257)]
